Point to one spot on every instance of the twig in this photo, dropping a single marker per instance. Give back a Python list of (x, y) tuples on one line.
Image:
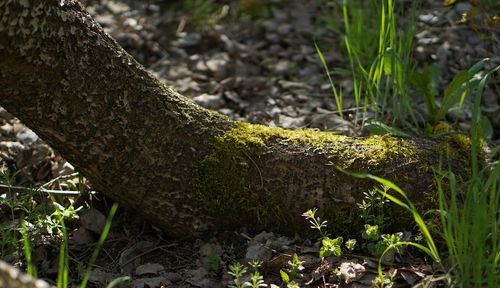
[(10, 188), (60, 178), (147, 252), (258, 170)]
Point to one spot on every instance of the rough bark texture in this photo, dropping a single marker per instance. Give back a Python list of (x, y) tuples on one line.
[(183, 167)]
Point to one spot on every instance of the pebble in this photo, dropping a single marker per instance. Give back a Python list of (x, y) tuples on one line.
[(6, 129), (26, 136), (210, 101), (462, 7), (159, 281), (173, 277), (259, 252), (429, 18), (11, 146), (5, 115), (149, 268), (188, 40)]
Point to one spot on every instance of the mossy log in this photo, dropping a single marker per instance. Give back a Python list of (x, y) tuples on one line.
[(181, 166)]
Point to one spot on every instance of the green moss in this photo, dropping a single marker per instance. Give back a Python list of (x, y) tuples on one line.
[(381, 149), (220, 179), (254, 135), (452, 144)]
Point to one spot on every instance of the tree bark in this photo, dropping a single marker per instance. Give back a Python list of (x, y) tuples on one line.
[(181, 166)]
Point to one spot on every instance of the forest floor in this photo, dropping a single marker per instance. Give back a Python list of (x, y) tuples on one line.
[(263, 68)]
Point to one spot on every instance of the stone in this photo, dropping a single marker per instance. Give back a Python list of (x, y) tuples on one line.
[(149, 268)]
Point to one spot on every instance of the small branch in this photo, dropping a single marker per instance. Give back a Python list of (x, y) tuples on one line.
[(18, 189), (60, 178)]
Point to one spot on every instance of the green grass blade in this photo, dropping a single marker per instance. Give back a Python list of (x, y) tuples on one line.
[(453, 93), (478, 67), (475, 133), (63, 272), (338, 98), (31, 269), (118, 281), (379, 128), (102, 238)]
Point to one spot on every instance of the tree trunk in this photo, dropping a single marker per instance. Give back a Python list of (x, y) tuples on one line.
[(181, 166)]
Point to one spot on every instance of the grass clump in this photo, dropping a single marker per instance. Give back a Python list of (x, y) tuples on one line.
[(379, 58), (470, 213)]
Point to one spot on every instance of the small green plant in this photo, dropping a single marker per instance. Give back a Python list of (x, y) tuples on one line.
[(54, 223), (293, 272), (16, 203), (392, 240), (288, 281), (371, 232), (388, 281), (329, 246), (376, 243), (19, 204), (372, 206), (256, 279), (295, 266), (427, 83), (237, 271), (63, 272), (212, 262), (316, 222), (350, 244)]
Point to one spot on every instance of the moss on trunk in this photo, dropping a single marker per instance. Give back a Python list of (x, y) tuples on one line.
[(229, 180), (183, 167)]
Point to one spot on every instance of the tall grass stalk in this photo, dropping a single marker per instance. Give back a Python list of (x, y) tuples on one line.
[(31, 269), (63, 272), (102, 238), (470, 213), (380, 58), (337, 95)]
